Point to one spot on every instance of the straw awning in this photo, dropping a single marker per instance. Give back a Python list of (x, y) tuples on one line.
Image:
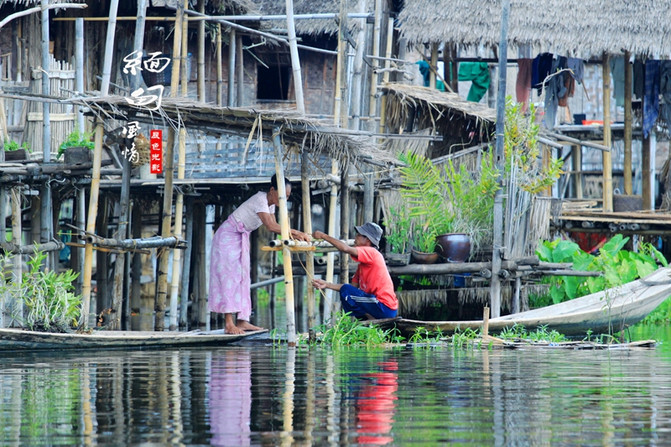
[(576, 28), (315, 136)]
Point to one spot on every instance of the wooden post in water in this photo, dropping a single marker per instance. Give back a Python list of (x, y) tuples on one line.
[(16, 307), (95, 171), (497, 252), (286, 252), (606, 155), (179, 202), (309, 256), (166, 221), (628, 75), (46, 214)]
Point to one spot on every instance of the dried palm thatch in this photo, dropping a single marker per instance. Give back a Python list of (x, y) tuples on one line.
[(314, 136), (461, 123), (570, 27), (215, 6), (403, 99)]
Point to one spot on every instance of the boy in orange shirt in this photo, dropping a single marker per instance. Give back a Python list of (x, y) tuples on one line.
[(371, 294)]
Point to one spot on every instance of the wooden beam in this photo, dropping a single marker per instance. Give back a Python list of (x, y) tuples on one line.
[(606, 156), (628, 75)]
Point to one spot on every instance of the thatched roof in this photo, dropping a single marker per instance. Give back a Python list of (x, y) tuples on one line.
[(312, 27), (569, 27), (215, 6), (461, 123), (316, 137)]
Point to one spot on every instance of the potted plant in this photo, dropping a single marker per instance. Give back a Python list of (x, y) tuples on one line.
[(76, 148), (423, 246), (14, 151), (398, 231), (453, 205)]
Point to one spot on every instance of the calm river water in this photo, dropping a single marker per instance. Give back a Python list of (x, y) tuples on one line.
[(263, 395)]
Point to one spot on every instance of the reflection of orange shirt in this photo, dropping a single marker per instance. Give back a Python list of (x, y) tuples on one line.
[(373, 277), (375, 407)]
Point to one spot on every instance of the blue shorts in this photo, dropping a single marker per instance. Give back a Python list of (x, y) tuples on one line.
[(360, 303)]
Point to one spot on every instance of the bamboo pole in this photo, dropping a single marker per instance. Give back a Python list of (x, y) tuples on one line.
[(385, 75), (231, 68), (186, 273), (179, 202), (576, 156), (497, 252), (434, 65), (46, 206), (337, 119), (286, 253), (309, 257), (122, 259), (220, 74), (628, 69), (357, 75), (44, 7), (79, 70), (17, 305), (201, 54), (344, 219), (606, 156), (166, 221), (240, 67), (295, 61), (646, 174), (95, 174), (372, 107)]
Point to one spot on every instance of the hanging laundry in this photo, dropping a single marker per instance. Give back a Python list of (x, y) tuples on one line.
[(478, 74), (651, 96), (577, 67), (425, 70), (540, 69), (523, 83), (555, 88), (665, 90)]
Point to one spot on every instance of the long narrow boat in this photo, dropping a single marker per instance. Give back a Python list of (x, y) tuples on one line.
[(603, 312), (19, 339)]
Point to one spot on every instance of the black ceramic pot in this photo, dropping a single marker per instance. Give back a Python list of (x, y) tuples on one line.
[(454, 247)]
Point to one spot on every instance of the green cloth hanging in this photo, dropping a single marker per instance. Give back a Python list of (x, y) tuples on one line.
[(478, 74)]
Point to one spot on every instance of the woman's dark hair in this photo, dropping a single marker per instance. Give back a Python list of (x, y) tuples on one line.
[(273, 181)]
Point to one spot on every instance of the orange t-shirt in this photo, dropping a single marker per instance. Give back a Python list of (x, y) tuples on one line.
[(373, 277)]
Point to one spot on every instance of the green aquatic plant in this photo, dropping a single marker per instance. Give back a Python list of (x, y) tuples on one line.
[(348, 331), (617, 265), (48, 298), (541, 335)]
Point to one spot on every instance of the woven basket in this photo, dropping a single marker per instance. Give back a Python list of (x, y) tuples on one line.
[(143, 150)]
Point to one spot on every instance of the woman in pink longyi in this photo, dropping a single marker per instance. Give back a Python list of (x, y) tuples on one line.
[(230, 264)]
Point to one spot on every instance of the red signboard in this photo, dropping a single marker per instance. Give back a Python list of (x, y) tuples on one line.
[(156, 151)]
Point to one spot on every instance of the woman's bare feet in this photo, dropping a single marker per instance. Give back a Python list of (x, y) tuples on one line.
[(231, 327), (247, 326)]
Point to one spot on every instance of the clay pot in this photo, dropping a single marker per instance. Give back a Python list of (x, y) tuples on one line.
[(454, 247), (419, 257)]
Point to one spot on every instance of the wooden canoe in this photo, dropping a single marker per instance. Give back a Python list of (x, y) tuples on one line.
[(20, 339), (604, 312)]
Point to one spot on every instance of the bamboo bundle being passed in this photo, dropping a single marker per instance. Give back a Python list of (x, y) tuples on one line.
[(317, 244)]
